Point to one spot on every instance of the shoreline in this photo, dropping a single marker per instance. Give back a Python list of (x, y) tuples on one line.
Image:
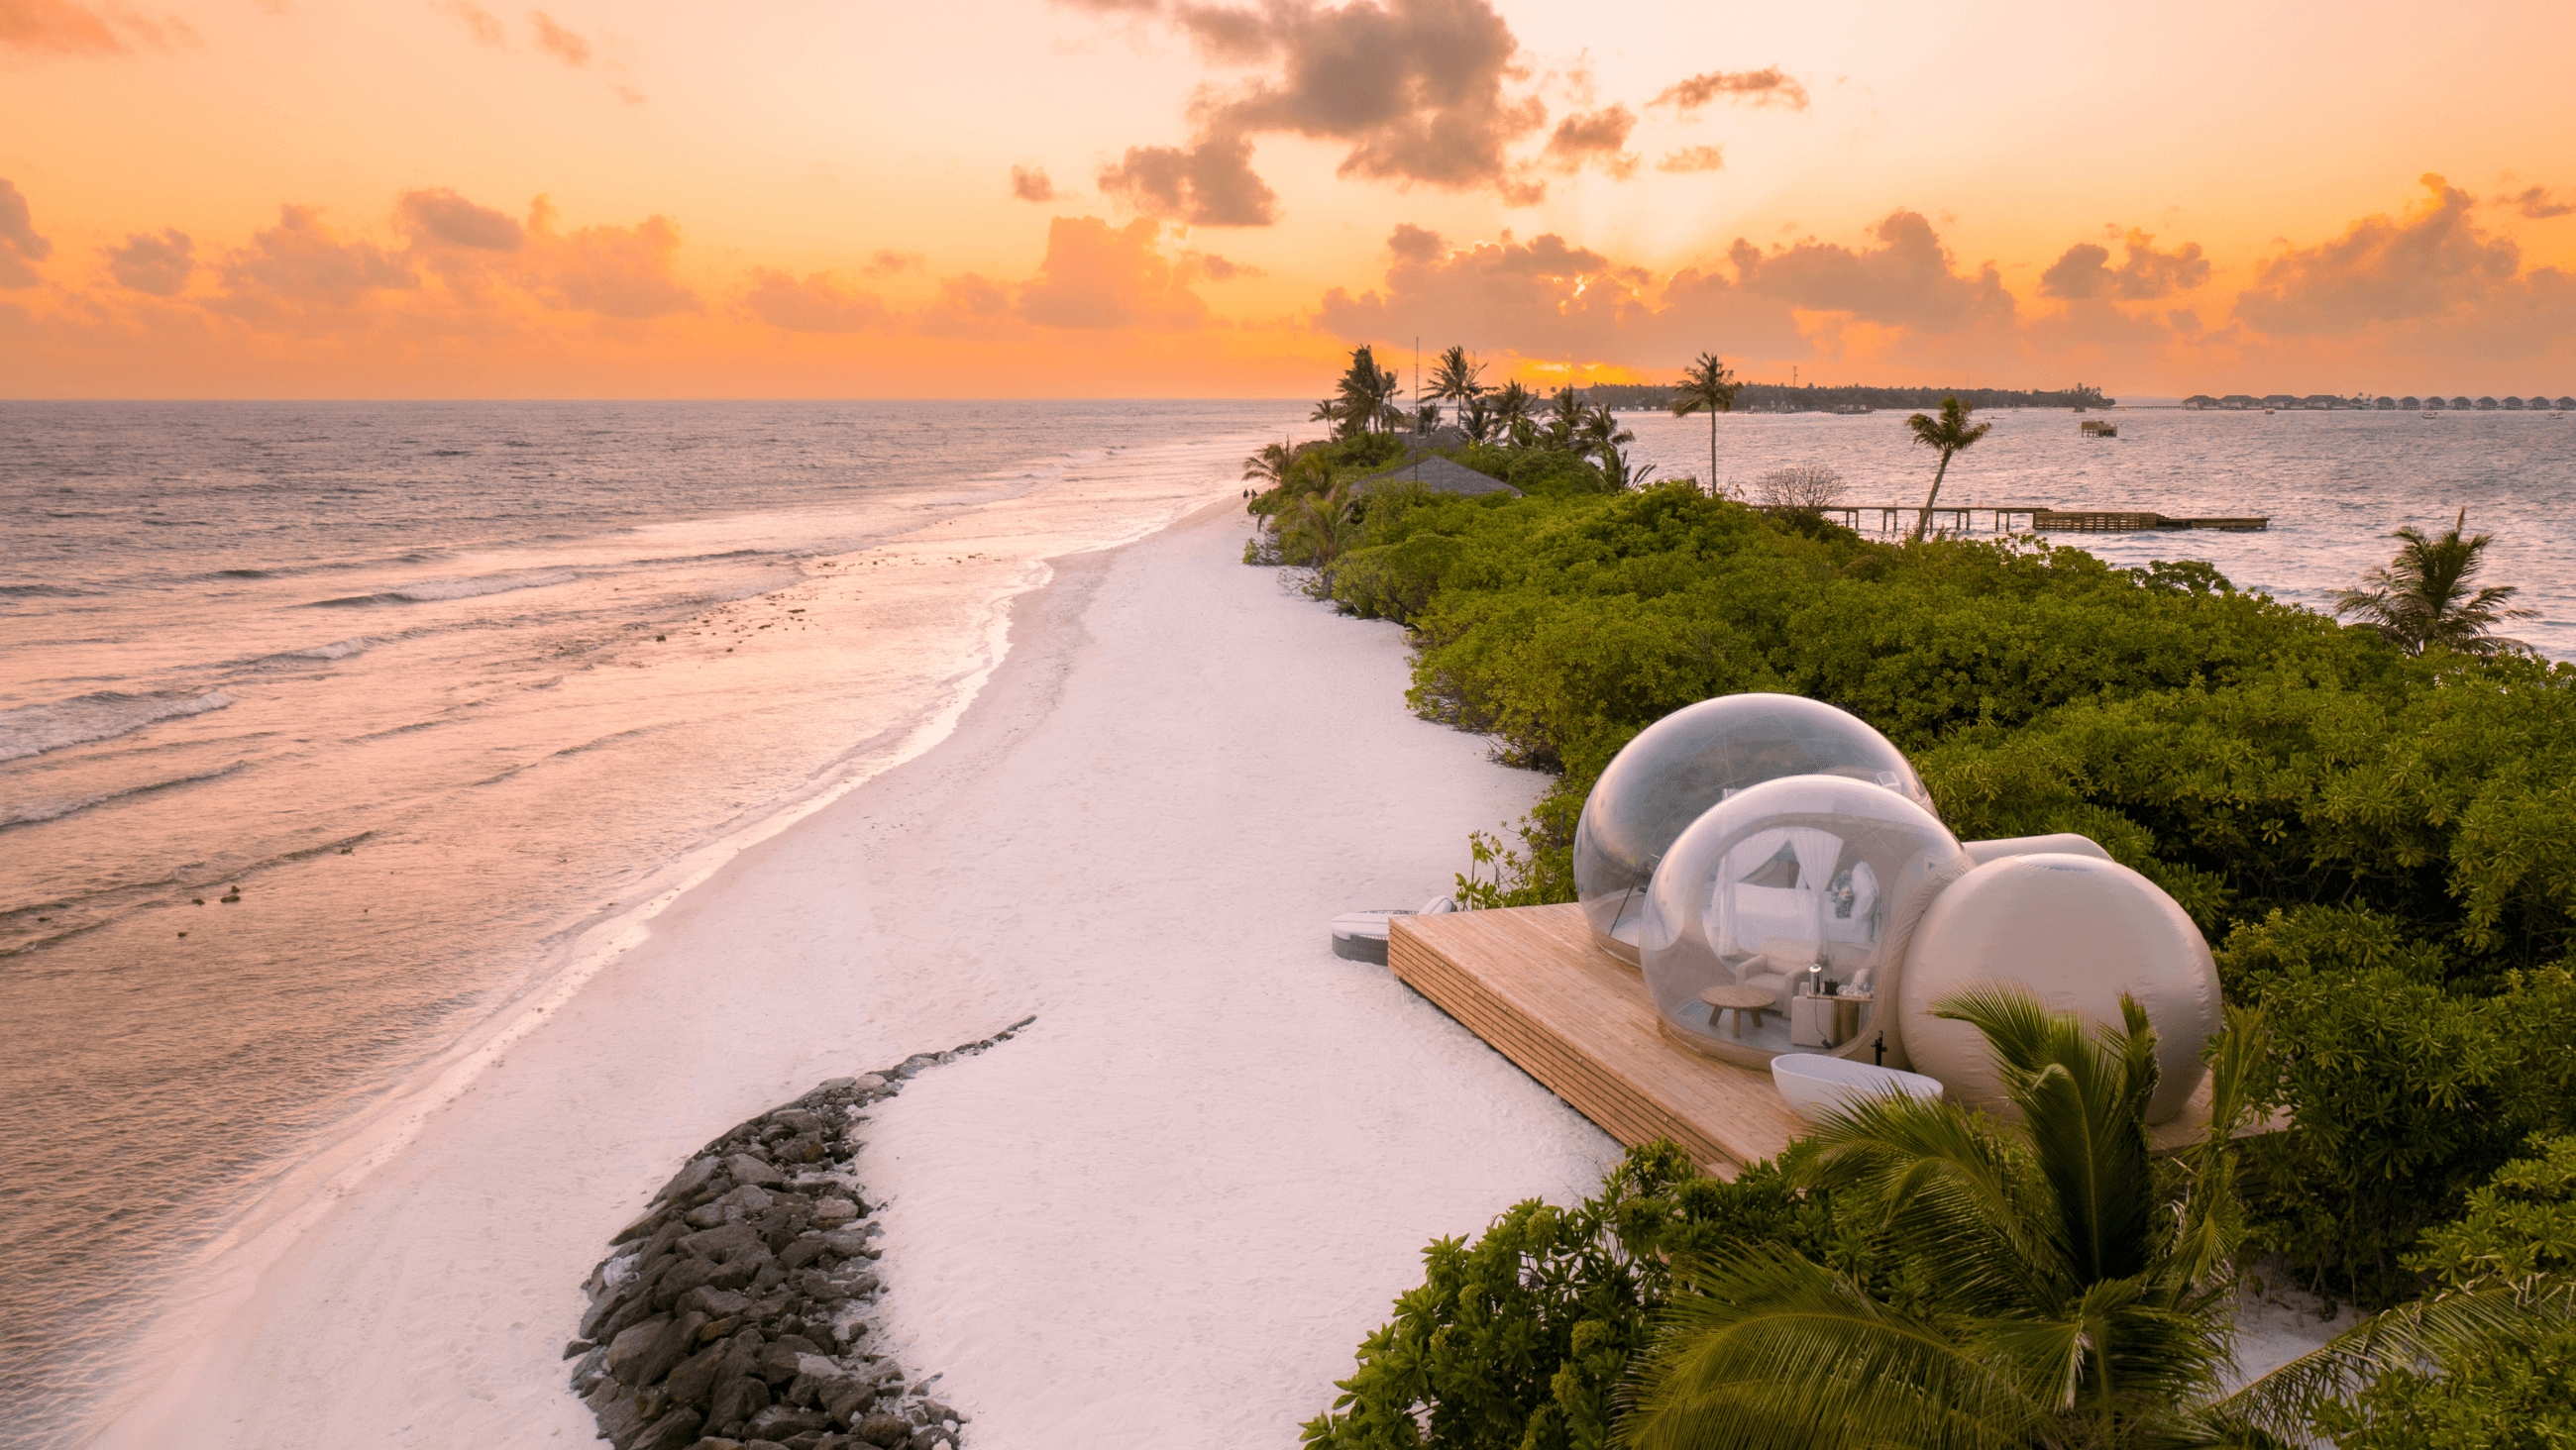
[(404, 1228)]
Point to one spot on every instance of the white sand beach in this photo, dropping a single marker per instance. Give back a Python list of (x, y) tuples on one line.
[(1164, 1215)]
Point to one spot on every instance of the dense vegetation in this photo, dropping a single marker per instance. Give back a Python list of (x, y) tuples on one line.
[(1780, 397), (2379, 844)]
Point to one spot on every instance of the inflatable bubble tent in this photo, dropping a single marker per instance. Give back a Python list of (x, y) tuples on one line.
[(1694, 758), (1778, 921)]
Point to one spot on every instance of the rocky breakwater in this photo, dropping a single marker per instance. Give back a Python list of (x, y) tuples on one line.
[(739, 1313)]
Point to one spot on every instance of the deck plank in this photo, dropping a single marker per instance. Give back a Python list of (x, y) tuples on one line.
[(1529, 981)]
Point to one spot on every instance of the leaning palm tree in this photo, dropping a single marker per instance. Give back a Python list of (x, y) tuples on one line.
[(1454, 379), (1952, 434), (1513, 407), (1366, 392), (1478, 418), (2075, 1290), (2427, 596), (1565, 420), (1270, 465), (1707, 387), (2067, 1287), (1600, 434)]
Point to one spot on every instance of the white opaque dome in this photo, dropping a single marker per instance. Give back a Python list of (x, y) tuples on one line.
[(2076, 932), (1784, 891), (1678, 767)]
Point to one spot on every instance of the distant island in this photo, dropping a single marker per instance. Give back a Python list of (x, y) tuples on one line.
[(2242, 402), (1783, 398)]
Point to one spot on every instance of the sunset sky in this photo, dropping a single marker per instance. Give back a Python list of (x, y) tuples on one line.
[(831, 198)]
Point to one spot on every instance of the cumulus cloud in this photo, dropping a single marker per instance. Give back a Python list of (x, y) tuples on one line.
[(1769, 86), (1096, 276), (1595, 138), (613, 271), (1693, 158), (1550, 298), (19, 244), (300, 264), (817, 304), (1209, 184), (2084, 271), (159, 266), (1030, 183), (439, 217), (2383, 269), (481, 24), (1419, 91), (63, 27), (1218, 269), (2537, 203), (559, 41), (887, 262), (1906, 280)]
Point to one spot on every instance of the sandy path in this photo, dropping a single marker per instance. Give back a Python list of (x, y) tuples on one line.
[(1163, 1216)]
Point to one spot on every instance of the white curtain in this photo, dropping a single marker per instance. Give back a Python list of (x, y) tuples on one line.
[(1747, 915)]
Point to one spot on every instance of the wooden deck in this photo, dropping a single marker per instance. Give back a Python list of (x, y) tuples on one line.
[(1530, 981)]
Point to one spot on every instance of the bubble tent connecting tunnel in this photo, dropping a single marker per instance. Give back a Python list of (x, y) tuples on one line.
[(1777, 870)]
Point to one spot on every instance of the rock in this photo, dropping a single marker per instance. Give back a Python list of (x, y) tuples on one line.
[(613, 1405), (714, 1443), (743, 1269), (685, 1276), (592, 1369), (781, 1421), (831, 1213), (939, 1412), (713, 1302), (748, 1171), (928, 1436), (690, 1179), (883, 1430), (630, 1347), (801, 1251), (576, 1348), (737, 1400), (868, 1082), (849, 1243), (673, 1431), (845, 1397), (798, 1121), (720, 1243), (696, 1375), (642, 1226), (673, 1345)]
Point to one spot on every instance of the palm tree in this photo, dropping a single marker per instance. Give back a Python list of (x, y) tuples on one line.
[(1323, 525), (1951, 434), (1600, 435), (1565, 420), (2075, 1289), (1453, 379), (1366, 393), (2425, 596), (1478, 419), (1707, 387), (1514, 405), (1270, 465)]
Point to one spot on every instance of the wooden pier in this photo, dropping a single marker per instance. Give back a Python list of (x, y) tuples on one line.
[(1531, 983), (2043, 519)]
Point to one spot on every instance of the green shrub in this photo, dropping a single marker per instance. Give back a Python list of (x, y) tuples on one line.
[(2403, 1097), (1519, 1340), (2519, 1231)]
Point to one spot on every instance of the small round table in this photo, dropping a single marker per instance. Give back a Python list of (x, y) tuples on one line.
[(1728, 997)]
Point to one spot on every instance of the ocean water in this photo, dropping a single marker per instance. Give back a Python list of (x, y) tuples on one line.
[(2333, 484), (327, 731)]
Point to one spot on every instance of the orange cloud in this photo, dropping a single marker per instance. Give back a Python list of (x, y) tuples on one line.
[(559, 42), (817, 304), (1419, 90), (2084, 271), (1769, 86), (481, 24), (19, 244), (1693, 158), (1905, 281), (1597, 138), (61, 27), (1030, 183), (613, 271), (299, 266), (2383, 269), (439, 217), (2537, 204), (157, 266), (1097, 277)]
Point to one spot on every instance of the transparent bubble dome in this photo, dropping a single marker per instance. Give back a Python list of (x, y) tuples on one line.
[(1778, 921), (1694, 758)]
